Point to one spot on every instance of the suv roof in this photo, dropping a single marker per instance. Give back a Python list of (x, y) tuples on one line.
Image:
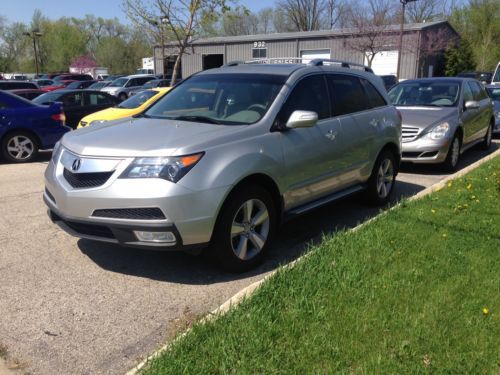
[(139, 76)]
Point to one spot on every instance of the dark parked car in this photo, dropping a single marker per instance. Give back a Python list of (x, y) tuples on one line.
[(494, 93), (42, 82), (151, 85), (79, 85), (16, 85), (483, 77), (51, 75), (78, 103), (389, 81), (57, 85), (29, 94), (26, 127), (99, 85)]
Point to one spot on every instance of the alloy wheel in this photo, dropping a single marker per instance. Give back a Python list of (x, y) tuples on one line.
[(20, 147), (250, 229), (385, 178), (455, 152)]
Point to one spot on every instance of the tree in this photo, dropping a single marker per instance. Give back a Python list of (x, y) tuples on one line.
[(459, 59), (178, 20), (370, 25), (479, 24), (239, 22), (304, 15)]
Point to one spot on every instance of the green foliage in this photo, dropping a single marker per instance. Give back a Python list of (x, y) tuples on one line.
[(479, 24), (114, 45), (459, 59)]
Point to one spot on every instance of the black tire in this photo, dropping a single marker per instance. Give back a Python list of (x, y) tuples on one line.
[(486, 143), (382, 180), (122, 97), (19, 147), (452, 158), (233, 211)]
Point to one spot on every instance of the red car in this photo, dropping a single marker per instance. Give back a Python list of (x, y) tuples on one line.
[(29, 94), (58, 85)]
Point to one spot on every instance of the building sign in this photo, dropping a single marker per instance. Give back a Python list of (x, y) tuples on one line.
[(259, 44)]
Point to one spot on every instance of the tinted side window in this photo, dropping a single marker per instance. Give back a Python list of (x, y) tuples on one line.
[(98, 99), (72, 100), (310, 94), (467, 93), (476, 90), (142, 81), (348, 94), (374, 96), (481, 92)]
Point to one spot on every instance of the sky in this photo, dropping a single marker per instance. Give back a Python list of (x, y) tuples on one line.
[(22, 10)]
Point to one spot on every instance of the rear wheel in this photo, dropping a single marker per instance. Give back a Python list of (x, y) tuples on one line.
[(486, 143), (451, 162), (19, 147), (382, 179), (244, 229)]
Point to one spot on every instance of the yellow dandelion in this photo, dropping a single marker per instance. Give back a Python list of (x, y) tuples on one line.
[(486, 311), (444, 235), (450, 183), (433, 211), (469, 186)]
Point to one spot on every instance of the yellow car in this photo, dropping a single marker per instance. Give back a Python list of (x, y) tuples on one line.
[(132, 106)]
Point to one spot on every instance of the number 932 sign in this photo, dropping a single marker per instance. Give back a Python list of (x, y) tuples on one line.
[(259, 44)]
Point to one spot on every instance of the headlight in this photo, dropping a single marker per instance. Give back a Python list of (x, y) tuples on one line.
[(439, 132), (56, 152), (170, 168)]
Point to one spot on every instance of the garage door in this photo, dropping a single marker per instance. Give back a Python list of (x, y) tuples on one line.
[(312, 54), (385, 63)]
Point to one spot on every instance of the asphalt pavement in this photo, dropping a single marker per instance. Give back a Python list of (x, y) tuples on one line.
[(81, 307)]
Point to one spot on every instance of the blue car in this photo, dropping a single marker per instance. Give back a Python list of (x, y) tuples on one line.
[(26, 127)]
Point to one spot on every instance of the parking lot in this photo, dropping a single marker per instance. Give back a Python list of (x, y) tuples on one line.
[(77, 306)]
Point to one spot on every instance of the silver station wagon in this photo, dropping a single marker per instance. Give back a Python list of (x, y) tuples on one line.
[(442, 118), (225, 157)]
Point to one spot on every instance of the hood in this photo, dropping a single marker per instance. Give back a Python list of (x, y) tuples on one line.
[(426, 117), (143, 137), (109, 114)]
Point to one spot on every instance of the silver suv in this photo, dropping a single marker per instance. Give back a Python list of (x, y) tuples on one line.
[(225, 157), (121, 87)]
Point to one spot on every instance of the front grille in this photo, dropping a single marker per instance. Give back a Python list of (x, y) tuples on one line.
[(409, 133), (90, 229), (420, 154), (86, 180), (146, 213), (411, 154)]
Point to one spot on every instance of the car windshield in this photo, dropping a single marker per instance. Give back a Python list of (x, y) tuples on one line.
[(96, 85), (46, 98), (120, 82), (494, 93), (150, 84), (138, 99), (226, 99), (74, 85), (425, 93)]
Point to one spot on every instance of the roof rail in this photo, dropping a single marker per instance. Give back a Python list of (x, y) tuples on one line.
[(344, 64), (300, 60)]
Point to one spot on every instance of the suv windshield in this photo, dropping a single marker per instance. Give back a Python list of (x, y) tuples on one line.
[(227, 99), (150, 84), (120, 82), (494, 93), (138, 99), (425, 93)]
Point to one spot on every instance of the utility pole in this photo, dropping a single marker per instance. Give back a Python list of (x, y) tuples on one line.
[(400, 46), (34, 35)]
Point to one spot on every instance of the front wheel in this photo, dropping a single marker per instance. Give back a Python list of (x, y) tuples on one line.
[(451, 161), (486, 143), (244, 229), (122, 97), (382, 179), (19, 147)]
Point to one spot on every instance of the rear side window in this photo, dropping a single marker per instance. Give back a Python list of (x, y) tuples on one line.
[(310, 94), (374, 96), (348, 94), (72, 100), (142, 81), (98, 99)]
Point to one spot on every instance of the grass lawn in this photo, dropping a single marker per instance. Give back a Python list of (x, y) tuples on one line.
[(415, 291)]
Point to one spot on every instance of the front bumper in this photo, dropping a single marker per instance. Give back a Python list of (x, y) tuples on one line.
[(426, 151), (189, 215)]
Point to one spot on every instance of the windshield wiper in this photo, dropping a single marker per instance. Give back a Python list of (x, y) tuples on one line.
[(198, 119)]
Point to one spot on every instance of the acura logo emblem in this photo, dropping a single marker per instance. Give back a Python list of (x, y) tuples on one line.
[(76, 164)]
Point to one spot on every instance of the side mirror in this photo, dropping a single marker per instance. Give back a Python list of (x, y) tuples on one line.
[(471, 104), (302, 119)]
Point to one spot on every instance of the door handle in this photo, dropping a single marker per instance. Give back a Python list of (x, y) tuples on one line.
[(331, 135)]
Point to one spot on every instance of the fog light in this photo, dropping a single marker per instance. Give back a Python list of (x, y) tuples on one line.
[(167, 237)]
